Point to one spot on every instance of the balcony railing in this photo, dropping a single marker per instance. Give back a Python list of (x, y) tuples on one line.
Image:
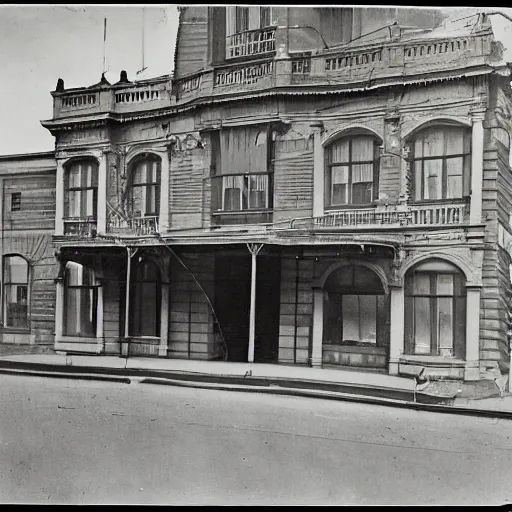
[(245, 74), (414, 215), (133, 226), (251, 42), (80, 227)]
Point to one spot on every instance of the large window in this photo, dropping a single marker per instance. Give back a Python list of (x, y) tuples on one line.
[(81, 190), (80, 301), (352, 171), (15, 292), (242, 161), (441, 163), (145, 187), (145, 300), (435, 310), (355, 307), (239, 19)]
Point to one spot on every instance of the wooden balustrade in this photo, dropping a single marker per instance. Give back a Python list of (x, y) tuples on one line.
[(134, 226), (243, 74), (251, 42), (80, 227)]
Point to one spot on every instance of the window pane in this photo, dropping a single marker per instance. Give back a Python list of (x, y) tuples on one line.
[(79, 312), (433, 142), (258, 191), (421, 284), (16, 298), (454, 141), (340, 175), (445, 284), (454, 168), (422, 324), (88, 211), (445, 322), (362, 149), (417, 180), (368, 318), (15, 270), (418, 147), (433, 179), (340, 151), (78, 275), (339, 194), (362, 193), (362, 173), (232, 199), (74, 177), (350, 314)]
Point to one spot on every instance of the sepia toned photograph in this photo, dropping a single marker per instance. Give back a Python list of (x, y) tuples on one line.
[(255, 255)]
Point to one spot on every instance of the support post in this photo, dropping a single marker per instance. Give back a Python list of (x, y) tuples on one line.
[(318, 327), (164, 320), (164, 193), (99, 320), (59, 199), (472, 370), (125, 344), (59, 309), (254, 249), (477, 168), (396, 342)]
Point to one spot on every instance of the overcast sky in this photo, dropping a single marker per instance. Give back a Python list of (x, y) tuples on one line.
[(39, 44)]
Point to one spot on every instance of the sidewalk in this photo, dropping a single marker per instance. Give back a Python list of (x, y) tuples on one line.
[(341, 384)]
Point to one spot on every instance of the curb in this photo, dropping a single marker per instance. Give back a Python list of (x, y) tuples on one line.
[(262, 385)]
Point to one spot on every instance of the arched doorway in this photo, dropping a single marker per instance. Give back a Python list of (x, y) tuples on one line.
[(356, 318)]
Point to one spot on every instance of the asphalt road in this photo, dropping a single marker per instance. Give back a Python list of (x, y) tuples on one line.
[(73, 442)]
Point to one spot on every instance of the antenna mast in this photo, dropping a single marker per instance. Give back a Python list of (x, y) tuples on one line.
[(104, 45), (143, 68)]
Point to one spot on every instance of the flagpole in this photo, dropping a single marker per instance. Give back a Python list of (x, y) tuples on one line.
[(104, 44)]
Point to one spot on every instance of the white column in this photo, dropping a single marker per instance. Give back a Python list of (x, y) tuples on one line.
[(59, 309), (99, 320), (252, 313), (318, 327), (318, 173), (164, 321), (101, 226), (396, 342), (472, 371), (59, 199), (477, 168), (164, 193)]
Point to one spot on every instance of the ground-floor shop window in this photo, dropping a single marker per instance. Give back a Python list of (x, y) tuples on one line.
[(435, 310), (80, 301), (15, 292)]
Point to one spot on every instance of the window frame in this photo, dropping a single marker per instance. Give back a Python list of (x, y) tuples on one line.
[(329, 166), (466, 164), (146, 185), (15, 201), (94, 169), (6, 284), (65, 312), (434, 308)]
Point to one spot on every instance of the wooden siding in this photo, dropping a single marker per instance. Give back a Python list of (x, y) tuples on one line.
[(37, 206), (296, 310), (192, 43), (293, 180)]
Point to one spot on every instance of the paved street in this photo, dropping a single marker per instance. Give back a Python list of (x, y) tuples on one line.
[(72, 441)]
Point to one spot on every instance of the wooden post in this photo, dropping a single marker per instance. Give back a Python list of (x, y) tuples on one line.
[(318, 327), (125, 344), (164, 320), (164, 193), (472, 370), (396, 342), (254, 249), (59, 309), (99, 320), (318, 171), (101, 226)]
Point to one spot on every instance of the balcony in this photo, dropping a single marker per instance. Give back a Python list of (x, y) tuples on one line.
[(133, 226), (351, 66), (80, 227), (251, 42), (376, 218)]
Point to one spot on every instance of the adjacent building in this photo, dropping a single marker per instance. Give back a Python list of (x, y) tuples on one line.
[(313, 186)]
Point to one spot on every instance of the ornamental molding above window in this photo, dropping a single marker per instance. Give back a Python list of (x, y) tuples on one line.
[(186, 142)]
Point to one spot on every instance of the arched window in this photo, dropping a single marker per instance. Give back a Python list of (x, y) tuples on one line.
[(435, 310), (144, 191), (355, 307), (441, 163), (145, 299), (80, 301), (81, 189), (352, 171), (15, 292)]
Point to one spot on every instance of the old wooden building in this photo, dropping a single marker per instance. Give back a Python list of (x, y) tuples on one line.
[(312, 186), (28, 271)]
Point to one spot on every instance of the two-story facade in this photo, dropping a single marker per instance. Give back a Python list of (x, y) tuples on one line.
[(28, 269), (312, 186)]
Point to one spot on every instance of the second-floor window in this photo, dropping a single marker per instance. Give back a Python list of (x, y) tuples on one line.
[(352, 171), (81, 190), (144, 190), (441, 163), (242, 169)]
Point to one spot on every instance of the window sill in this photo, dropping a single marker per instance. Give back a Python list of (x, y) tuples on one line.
[(458, 200), (15, 330), (367, 206), (429, 360), (357, 348), (218, 213)]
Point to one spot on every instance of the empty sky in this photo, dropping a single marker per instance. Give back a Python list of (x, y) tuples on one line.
[(39, 44)]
